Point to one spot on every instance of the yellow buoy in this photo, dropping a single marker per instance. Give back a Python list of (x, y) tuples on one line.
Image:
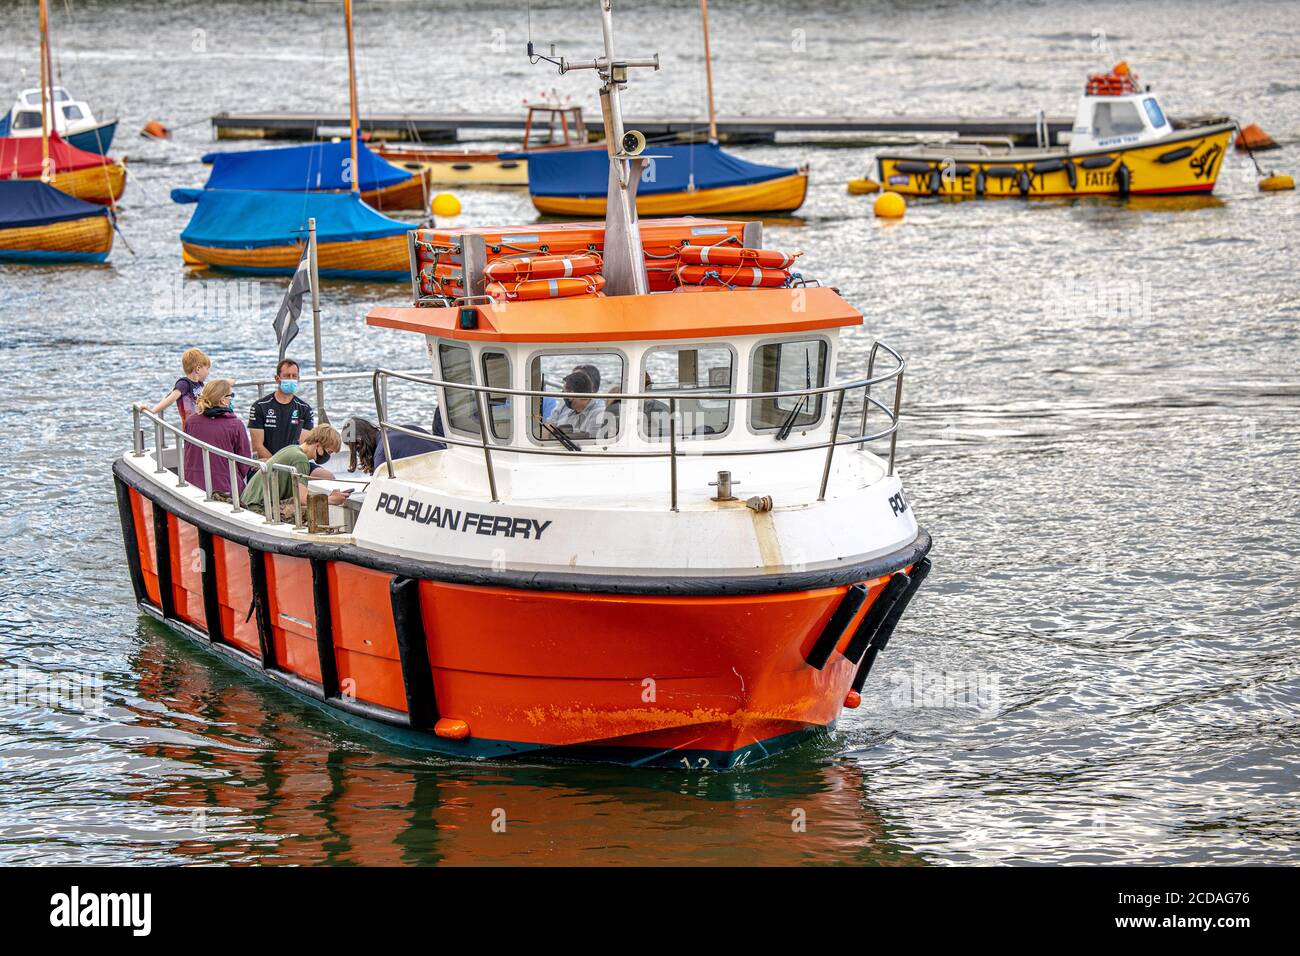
[(445, 205), (1276, 183), (890, 206), (860, 187)]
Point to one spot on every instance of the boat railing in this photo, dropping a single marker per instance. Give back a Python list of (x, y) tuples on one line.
[(263, 384), (235, 463), (673, 452)]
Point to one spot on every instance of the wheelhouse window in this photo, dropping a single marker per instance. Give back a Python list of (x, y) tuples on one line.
[(1115, 119), (27, 119), (704, 371), (786, 367), (1154, 112), (72, 112), (576, 418), (496, 374), (457, 367)]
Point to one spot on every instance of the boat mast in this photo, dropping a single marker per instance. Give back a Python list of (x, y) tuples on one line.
[(708, 72), (624, 259), (352, 95), (47, 113)]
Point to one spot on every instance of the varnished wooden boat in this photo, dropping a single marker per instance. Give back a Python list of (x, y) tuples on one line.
[(411, 194), (265, 232), (383, 259), (774, 195), (38, 223)]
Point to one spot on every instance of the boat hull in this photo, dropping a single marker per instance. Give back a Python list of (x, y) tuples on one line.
[(98, 184), (96, 139), (1186, 162), (76, 240), (690, 679), (783, 194), (412, 193), (450, 168), (381, 260)]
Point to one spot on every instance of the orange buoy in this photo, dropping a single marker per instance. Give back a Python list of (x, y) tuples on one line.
[(451, 729), (737, 256), (542, 267), (852, 699), (1253, 138), (747, 276), (560, 288), (156, 130)]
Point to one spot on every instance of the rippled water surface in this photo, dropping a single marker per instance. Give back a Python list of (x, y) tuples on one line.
[(1102, 666)]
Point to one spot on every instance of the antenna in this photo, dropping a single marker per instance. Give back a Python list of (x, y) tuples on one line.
[(624, 260)]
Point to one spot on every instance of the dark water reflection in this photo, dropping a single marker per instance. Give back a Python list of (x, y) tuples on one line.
[(245, 773)]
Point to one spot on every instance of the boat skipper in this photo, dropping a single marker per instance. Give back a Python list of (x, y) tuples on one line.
[(276, 421), (580, 417), (319, 443)]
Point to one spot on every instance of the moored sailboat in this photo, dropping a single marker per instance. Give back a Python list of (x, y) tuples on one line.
[(264, 233), (41, 224), (320, 167)]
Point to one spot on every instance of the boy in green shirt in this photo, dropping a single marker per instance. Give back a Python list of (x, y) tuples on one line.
[(319, 443)]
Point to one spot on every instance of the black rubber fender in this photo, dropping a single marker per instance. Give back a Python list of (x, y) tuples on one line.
[(936, 181), (1023, 182), (979, 182), (1174, 155), (1096, 162), (1123, 179), (1072, 175), (1003, 172), (911, 167), (1048, 166)]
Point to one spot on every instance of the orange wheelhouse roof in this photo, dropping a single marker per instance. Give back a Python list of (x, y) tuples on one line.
[(668, 315)]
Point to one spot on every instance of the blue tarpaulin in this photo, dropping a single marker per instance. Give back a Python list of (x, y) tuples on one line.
[(249, 219), (585, 173), (30, 202), (320, 166)]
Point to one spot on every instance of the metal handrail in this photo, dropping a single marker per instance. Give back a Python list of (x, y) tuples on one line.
[(161, 428), (381, 376)]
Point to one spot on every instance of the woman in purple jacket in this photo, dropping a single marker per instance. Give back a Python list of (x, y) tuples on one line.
[(218, 425)]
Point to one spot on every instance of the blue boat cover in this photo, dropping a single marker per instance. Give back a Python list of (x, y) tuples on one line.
[(4, 125), (320, 166), (30, 202), (584, 173), (250, 219)]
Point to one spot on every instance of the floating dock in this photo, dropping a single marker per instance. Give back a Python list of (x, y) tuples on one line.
[(428, 127)]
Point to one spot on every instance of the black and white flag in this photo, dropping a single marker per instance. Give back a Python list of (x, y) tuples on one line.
[(286, 320)]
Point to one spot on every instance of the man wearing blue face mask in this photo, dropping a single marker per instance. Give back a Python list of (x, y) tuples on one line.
[(277, 420)]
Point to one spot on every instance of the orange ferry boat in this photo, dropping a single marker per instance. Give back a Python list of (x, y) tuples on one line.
[(572, 575)]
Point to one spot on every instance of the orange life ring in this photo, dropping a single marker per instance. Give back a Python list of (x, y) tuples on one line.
[(542, 267), (736, 256), (746, 276), (559, 288)]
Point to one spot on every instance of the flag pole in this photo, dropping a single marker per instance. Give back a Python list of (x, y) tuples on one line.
[(315, 316)]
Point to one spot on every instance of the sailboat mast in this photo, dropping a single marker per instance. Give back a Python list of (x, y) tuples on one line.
[(47, 110), (354, 123), (708, 72)]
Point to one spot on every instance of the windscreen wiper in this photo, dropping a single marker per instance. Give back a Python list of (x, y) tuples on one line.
[(568, 443)]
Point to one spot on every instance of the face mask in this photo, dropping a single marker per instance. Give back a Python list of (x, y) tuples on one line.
[(289, 386), (322, 458)]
